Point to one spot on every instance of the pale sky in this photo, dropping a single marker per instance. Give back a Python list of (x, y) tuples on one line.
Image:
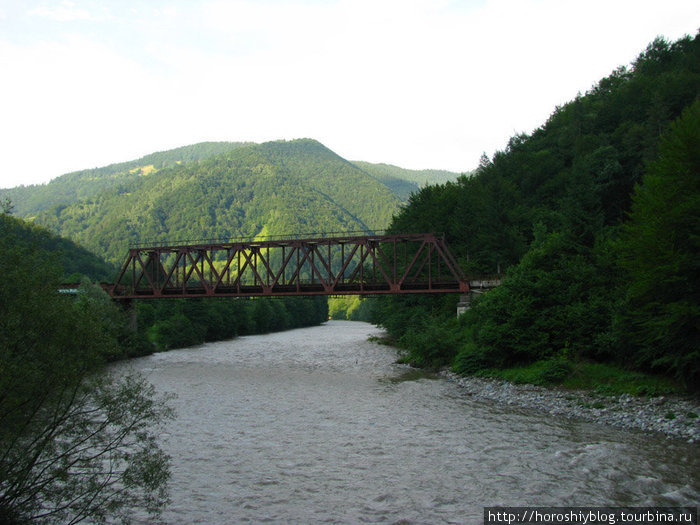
[(416, 83)]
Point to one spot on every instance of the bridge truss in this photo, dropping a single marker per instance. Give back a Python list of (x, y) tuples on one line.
[(364, 265)]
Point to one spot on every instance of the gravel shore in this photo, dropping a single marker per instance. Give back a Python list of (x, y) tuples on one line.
[(676, 417)]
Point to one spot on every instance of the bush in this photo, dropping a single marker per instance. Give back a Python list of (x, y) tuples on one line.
[(433, 343), (555, 371), (471, 360)]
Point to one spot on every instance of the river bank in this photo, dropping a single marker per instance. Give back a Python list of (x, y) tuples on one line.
[(674, 416)]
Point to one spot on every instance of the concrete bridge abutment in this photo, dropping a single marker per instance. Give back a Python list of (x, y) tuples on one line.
[(464, 303), (476, 286)]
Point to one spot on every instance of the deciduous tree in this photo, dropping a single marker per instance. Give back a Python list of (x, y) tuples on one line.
[(75, 442)]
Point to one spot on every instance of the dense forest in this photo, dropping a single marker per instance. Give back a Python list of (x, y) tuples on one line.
[(73, 260), (403, 182), (253, 190), (303, 168), (85, 184), (595, 220)]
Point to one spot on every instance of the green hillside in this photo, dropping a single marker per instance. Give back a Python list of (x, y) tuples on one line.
[(402, 181), (70, 259), (283, 187), (595, 218), (87, 183)]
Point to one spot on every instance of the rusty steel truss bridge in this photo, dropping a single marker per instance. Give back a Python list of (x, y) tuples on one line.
[(339, 265)]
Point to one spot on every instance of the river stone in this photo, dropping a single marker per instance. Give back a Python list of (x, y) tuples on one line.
[(641, 413)]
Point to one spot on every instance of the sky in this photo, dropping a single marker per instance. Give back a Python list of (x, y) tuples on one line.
[(416, 83)]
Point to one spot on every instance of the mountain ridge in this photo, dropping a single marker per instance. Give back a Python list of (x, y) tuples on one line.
[(82, 184), (87, 183), (273, 188)]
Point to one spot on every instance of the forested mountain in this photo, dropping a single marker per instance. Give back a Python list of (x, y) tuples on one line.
[(275, 188), (403, 182), (582, 283), (72, 187), (70, 260)]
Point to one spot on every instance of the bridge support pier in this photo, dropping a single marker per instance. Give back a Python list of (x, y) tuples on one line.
[(129, 307), (133, 317), (463, 304)]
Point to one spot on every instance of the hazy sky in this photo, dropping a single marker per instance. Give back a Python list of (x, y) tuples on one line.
[(416, 83)]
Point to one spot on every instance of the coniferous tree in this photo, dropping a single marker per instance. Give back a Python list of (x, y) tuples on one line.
[(659, 323)]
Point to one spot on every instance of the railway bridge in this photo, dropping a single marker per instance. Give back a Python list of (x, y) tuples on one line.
[(334, 265)]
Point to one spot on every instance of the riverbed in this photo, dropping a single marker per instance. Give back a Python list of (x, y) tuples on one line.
[(320, 425)]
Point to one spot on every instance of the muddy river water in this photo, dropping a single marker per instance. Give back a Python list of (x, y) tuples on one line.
[(320, 425)]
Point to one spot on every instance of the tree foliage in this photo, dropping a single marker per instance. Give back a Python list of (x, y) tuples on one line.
[(185, 322), (6, 206), (74, 260), (402, 182), (659, 323), (75, 442), (85, 184)]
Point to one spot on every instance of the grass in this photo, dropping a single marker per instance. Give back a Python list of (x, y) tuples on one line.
[(603, 378), (382, 340)]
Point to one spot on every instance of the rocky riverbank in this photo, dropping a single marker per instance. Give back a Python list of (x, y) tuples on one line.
[(676, 417)]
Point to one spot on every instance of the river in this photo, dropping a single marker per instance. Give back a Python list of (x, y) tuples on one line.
[(319, 425)]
